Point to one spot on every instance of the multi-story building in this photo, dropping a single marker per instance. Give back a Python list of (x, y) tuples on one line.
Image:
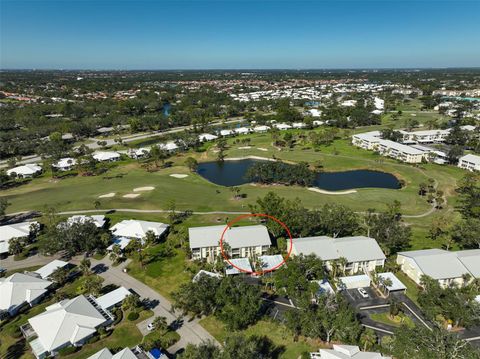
[(469, 162)]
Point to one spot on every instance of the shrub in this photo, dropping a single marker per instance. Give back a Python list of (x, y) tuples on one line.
[(132, 316), (93, 339), (67, 351), (14, 331), (118, 316)]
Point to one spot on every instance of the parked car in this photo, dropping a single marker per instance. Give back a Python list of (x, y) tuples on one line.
[(150, 327), (363, 292)]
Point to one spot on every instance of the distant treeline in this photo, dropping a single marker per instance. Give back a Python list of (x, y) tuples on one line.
[(282, 173)]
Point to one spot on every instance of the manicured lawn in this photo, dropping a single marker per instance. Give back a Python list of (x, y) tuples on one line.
[(276, 332), (165, 275), (396, 322), (412, 288)]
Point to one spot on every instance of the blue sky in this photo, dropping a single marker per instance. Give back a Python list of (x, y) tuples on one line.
[(228, 34)]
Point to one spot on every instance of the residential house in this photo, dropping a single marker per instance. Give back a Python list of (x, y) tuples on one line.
[(28, 170), (65, 164), (362, 253), (261, 129), (400, 151), (46, 271), (129, 229), (97, 219), (244, 241), (469, 162), (204, 137), (106, 156), (447, 267), (242, 130), (346, 352), (16, 230), (68, 322), (20, 289)]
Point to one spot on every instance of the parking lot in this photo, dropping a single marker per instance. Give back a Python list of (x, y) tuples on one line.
[(357, 301)]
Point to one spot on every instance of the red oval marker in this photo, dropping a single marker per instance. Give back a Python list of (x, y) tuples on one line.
[(235, 220)]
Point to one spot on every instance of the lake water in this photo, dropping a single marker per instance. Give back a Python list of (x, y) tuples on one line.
[(232, 173)]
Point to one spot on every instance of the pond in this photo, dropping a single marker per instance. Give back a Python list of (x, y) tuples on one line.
[(232, 173)]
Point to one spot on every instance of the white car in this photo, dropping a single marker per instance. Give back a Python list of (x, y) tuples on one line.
[(150, 327), (363, 292)]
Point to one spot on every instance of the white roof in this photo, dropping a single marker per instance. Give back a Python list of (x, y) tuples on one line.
[(26, 170), (354, 249), (242, 263), (49, 268), (282, 126), (68, 321), (65, 162), (401, 147), (236, 237), (269, 262), (261, 128), (107, 354), (16, 230), (347, 352), (169, 146), (442, 264), (98, 219), (207, 273), (298, 125), (396, 283), (225, 132), (352, 279), (106, 156), (471, 158), (20, 288), (241, 130), (207, 137), (112, 298), (314, 112), (324, 287), (133, 228)]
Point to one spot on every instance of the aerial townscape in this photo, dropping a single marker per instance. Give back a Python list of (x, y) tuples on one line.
[(191, 180)]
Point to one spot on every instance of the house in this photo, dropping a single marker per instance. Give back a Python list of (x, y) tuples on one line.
[(20, 289), (226, 133), (282, 126), (132, 228), (345, 352), (127, 353), (204, 137), (242, 263), (448, 268), (400, 151), (314, 112), (169, 146), (28, 170), (16, 230), (244, 241), (261, 129), (65, 164), (138, 152), (367, 140), (106, 156), (469, 162), (298, 125), (69, 322), (98, 219), (47, 270), (113, 298), (242, 130), (361, 253)]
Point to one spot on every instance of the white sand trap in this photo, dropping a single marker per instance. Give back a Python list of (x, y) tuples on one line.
[(314, 189), (245, 148), (131, 195), (108, 195), (262, 149), (140, 189), (178, 175)]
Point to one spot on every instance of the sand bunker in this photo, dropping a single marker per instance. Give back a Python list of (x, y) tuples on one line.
[(178, 175), (262, 149), (245, 148), (140, 189), (108, 195), (314, 189), (131, 195)]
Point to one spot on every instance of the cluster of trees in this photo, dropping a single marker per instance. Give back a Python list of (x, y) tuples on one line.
[(269, 172), (331, 219), (236, 346), (230, 299), (453, 304)]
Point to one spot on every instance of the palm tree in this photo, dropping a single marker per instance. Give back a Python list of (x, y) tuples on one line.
[(131, 302), (85, 267), (342, 261), (160, 323), (16, 246), (368, 339)]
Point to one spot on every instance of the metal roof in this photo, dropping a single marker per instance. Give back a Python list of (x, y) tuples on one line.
[(272, 261), (112, 298), (396, 283), (242, 263), (236, 237), (49, 268)]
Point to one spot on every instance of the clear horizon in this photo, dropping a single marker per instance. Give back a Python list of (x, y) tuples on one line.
[(238, 35)]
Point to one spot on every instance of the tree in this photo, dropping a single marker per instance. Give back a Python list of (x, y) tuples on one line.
[(160, 324), (116, 253), (3, 206), (131, 302), (92, 285), (16, 246), (469, 191), (85, 267), (192, 164), (467, 233), (368, 339), (203, 350), (60, 275)]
